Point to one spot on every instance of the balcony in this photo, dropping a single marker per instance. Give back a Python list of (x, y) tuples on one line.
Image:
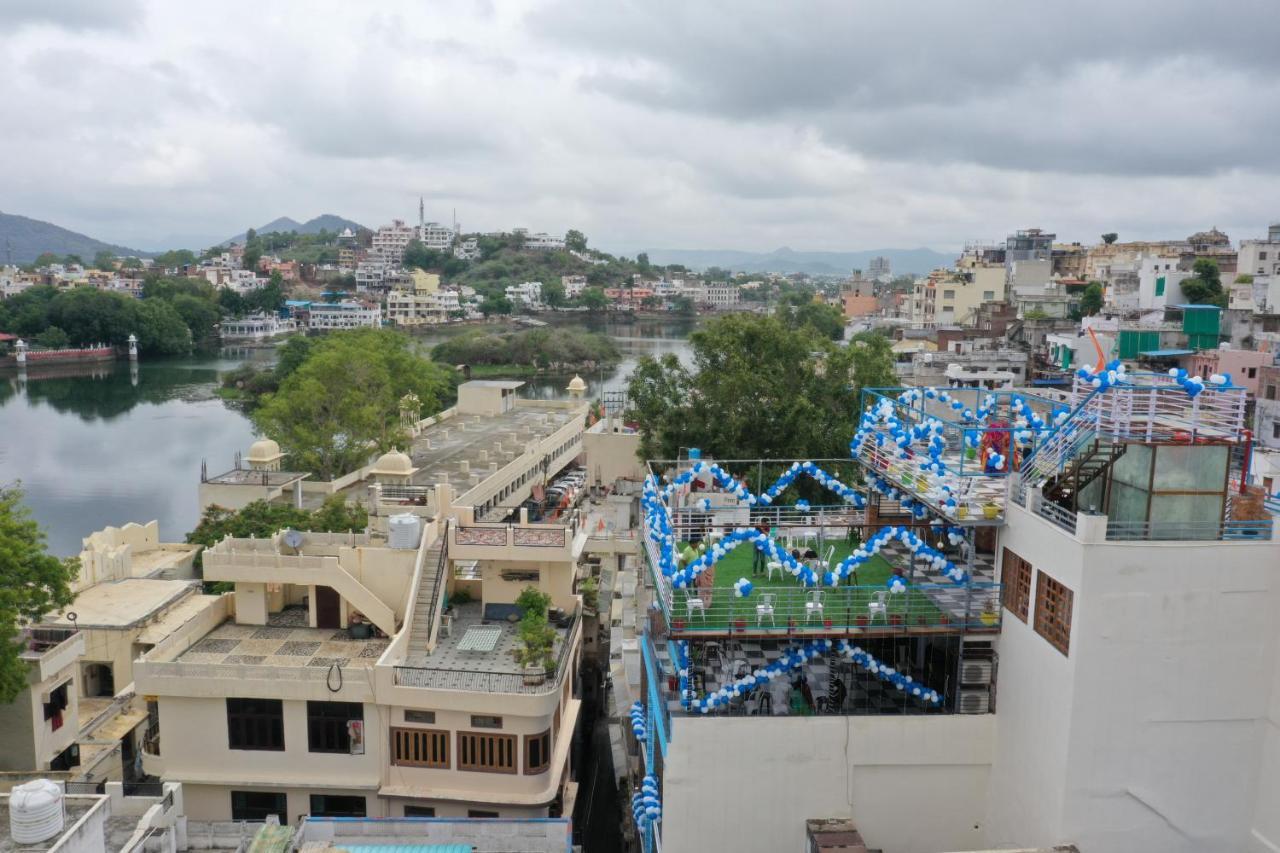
[(1095, 528), (525, 542)]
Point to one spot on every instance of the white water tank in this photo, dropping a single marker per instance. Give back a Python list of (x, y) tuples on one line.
[(35, 812), (404, 530)]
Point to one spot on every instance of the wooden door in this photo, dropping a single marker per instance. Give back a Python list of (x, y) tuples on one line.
[(327, 607)]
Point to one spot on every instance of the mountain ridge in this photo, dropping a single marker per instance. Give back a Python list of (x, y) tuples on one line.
[(327, 221), (787, 260), (23, 239)]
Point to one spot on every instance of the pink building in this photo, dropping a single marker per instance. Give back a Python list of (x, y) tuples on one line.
[(1243, 365)]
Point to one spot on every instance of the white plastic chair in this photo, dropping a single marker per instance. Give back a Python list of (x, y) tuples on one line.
[(879, 606), (694, 602), (831, 552), (813, 606), (765, 608), (774, 566)]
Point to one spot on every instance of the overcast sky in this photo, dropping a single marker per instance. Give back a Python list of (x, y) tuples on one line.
[(663, 123)]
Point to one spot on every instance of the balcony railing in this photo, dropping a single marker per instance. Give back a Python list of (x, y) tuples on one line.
[(844, 609), (41, 641), (1148, 531)]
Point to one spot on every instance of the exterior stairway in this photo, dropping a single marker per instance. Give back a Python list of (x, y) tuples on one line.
[(1088, 465), (1064, 443), (426, 606)]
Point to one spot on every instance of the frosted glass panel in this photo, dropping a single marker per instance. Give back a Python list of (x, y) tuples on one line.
[(1134, 467), (1127, 503), (1198, 468)]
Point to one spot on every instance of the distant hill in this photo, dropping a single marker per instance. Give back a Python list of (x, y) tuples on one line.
[(323, 222), (26, 239), (784, 260)]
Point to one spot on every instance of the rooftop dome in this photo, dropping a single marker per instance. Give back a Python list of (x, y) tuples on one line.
[(263, 450), (393, 462), (577, 384)]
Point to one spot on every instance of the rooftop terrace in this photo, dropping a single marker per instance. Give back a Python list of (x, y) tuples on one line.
[(284, 642), (123, 603), (453, 449)]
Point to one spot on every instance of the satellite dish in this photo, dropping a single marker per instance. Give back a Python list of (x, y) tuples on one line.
[(293, 539)]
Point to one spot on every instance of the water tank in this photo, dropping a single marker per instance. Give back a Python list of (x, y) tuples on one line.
[(404, 530), (35, 812)]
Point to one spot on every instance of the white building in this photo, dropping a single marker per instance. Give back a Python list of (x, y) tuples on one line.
[(1159, 282), (372, 275), (573, 285), (257, 327), (436, 236), (527, 293), (390, 241), (1261, 259), (344, 315), (406, 308), (543, 241), (879, 269), (467, 250)]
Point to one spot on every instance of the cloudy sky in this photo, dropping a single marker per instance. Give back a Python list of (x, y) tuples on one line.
[(663, 123)]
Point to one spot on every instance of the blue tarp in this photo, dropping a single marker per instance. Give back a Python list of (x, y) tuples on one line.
[(1166, 353)]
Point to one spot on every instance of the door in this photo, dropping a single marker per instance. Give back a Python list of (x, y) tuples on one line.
[(327, 607)]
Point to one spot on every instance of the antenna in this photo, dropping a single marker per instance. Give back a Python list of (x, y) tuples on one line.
[(422, 213)]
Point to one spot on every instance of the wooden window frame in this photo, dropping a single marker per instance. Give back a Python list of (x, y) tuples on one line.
[(467, 742), (1054, 602), (327, 730), (1015, 579), (244, 723), (433, 742), (542, 740)]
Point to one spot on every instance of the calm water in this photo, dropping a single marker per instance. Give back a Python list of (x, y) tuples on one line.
[(106, 446)]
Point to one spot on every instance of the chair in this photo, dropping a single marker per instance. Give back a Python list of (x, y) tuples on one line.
[(694, 602), (879, 605), (831, 552), (813, 606), (765, 608), (774, 566)]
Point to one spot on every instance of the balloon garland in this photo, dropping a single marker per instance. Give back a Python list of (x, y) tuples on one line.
[(1194, 385), (791, 660), (729, 483), (646, 806), (638, 725)]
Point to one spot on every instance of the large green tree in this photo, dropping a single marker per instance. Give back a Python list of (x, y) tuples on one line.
[(341, 403), (1205, 286), (823, 319), (32, 584), (1091, 301), (757, 389)]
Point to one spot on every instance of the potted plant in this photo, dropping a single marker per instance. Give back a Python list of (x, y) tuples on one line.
[(739, 623), (895, 618), (827, 622), (990, 510), (862, 620), (537, 637)]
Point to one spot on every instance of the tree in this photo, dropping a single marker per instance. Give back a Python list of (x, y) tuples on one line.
[(823, 319), (175, 258), (642, 261), (33, 583), (104, 260), (231, 303), (593, 299), (270, 297), (262, 520), (1110, 237), (161, 330), (683, 306), (1205, 286), (758, 389), (341, 404), (199, 315), (553, 294), (1244, 278), (492, 305), (53, 338), (575, 240), (1091, 301), (45, 259)]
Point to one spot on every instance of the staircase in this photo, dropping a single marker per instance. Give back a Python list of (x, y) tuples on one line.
[(1088, 465), (426, 606), (1064, 443)]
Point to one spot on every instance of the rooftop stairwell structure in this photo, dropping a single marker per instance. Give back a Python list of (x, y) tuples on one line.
[(427, 603)]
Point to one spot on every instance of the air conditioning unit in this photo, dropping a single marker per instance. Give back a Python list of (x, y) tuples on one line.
[(976, 671), (975, 701)]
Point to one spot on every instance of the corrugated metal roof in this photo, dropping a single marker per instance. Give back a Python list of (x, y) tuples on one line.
[(1164, 353)]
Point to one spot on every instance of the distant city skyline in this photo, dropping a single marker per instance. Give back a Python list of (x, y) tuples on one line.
[(718, 126)]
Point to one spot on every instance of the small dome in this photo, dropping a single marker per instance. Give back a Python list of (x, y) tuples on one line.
[(394, 462), (263, 450), (577, 384)]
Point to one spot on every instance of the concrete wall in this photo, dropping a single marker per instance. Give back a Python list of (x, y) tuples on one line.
[(1168, 684), (912, 784), (27, 740), (611, 455)]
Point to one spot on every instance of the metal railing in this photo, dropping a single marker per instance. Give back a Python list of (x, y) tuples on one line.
[(1056, 514), (1148, 531), (488, 681), (85, 788), (846, 608), (439, 583)]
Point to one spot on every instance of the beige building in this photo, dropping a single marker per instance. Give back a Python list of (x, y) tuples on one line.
[(38, 729), (953, 297), (376, 673)]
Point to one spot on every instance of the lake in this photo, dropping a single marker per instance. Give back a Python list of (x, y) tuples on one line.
[(111, 445)]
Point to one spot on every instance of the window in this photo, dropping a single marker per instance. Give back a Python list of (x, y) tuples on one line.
[(486, 753), (257, 805), (1015, 577), (327, 725), (537, 753), (948, 294), (331, 805), (1160, 286), (1262, 256), (255, 724), (1252, 372), (1275, 430), (420, 748), (480, 813), (419, 811), (1053, 612), (59, 698), (988, 296), (428, 717), (482, 721), (1270, 392)]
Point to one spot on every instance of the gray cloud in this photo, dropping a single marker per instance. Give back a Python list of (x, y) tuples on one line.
[(71, 14)]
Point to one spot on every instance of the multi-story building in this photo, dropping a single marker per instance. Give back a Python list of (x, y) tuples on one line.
[(1030, 244), (543, 241), (1061, 664), (347, 314), (527, 294), (858, 296), (1069, 260), (390, 241), (417, 309), (38, 729), (436, 236), (256, 327), (467, 250), (879, 269), (573, 285), (1261, 259), (346, 258), (373, 674), (372, 275), (1267, 416)]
